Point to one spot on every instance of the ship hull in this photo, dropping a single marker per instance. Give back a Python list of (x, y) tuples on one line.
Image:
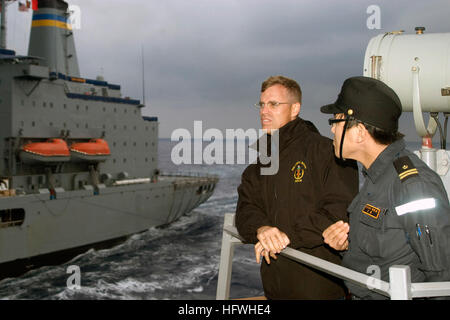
[(54, 231)]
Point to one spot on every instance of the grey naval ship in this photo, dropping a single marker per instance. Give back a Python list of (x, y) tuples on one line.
[(79, 162)]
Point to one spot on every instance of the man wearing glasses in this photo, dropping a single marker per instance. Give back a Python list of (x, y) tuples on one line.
[(401, 215), (292, 207)]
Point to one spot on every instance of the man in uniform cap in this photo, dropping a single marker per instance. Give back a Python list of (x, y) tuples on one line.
[(401, 215)]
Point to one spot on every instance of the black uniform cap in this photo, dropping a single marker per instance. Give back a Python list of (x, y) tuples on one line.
[(370, 101)]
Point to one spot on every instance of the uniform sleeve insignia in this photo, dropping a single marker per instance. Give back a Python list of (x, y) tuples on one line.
[(405, 168), (371, 211)]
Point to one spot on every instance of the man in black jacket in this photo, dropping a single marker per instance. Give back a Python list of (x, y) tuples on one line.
[(310, 191)]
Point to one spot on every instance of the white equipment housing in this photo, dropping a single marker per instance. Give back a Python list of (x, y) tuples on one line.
[(417, 67)]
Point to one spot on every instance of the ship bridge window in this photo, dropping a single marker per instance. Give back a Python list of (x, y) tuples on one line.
[(11, 217)]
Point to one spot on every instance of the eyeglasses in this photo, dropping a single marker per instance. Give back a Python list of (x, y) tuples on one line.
[(271, 104), (332, 121)]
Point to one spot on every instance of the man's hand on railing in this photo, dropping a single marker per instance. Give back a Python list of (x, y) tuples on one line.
[(271, 242), (260, 251), (272, 239), (336, 235)]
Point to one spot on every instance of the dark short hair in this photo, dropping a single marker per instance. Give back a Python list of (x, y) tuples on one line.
[(290, 84), (379, 135)]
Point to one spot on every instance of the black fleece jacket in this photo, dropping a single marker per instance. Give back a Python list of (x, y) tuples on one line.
[(310, 191)]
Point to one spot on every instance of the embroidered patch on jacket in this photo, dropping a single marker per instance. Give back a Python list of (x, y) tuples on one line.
[(371, 211), (299, 170), (405, 168)]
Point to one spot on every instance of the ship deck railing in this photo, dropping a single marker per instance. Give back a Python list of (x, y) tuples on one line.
[(399, 286), (187, 174)]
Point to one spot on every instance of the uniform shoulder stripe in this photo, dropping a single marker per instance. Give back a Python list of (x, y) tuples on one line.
[(405, 168)]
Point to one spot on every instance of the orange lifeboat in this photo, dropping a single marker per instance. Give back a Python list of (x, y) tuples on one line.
[(52, 150), (95, 150)]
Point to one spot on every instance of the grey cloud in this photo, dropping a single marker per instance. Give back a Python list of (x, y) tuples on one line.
[(212, 55)]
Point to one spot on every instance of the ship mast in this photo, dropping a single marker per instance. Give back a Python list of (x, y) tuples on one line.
[(3, 26), (143, 75)]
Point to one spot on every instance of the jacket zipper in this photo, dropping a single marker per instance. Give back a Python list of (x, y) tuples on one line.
[(276, 200)]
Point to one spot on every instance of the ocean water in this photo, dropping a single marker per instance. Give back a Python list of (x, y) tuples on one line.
[(179, 261)]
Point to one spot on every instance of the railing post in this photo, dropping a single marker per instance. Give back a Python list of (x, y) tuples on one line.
[(400, 282), (226, 260)]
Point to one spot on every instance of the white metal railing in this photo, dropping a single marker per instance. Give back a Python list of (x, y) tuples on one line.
[(399, 286)]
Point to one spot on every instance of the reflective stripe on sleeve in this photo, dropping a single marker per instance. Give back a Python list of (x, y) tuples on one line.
[(416, 205)]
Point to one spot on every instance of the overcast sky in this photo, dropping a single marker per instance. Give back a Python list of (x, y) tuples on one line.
[(206, 59)]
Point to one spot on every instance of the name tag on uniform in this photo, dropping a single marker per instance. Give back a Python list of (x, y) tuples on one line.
[(371, 211)]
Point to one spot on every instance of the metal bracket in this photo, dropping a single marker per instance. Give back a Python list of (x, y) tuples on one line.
[(442, 162), (422, 131), (375, 71), (445, 91)]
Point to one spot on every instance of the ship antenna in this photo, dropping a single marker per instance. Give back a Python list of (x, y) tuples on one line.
[(143, 75), (3, 25)]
